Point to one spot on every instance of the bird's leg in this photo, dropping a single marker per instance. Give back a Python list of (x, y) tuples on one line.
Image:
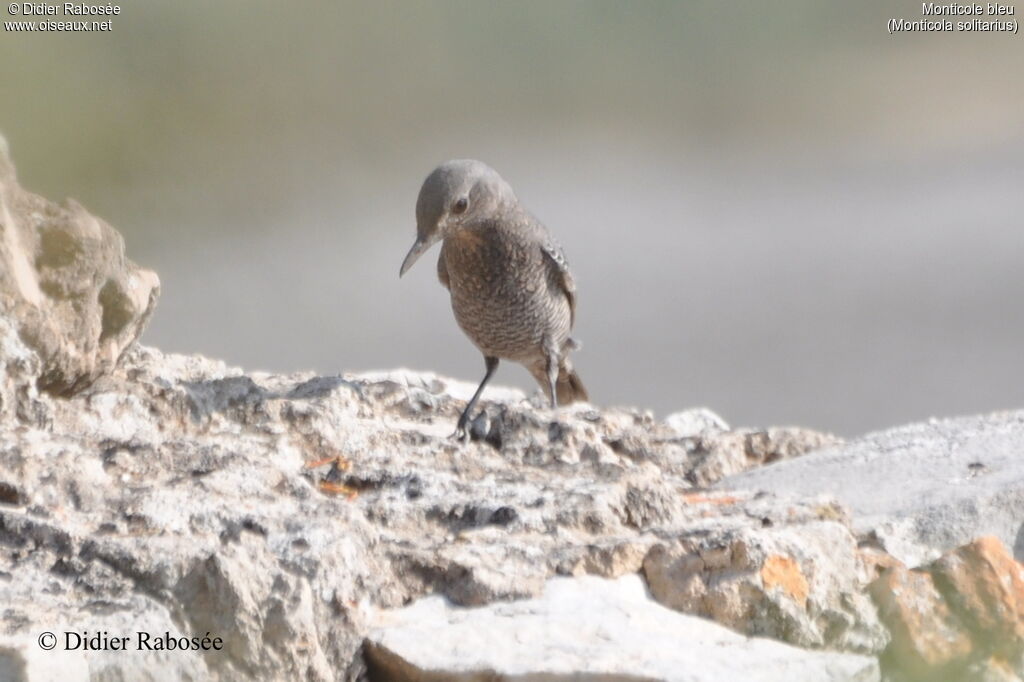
[(553, 379), (460, 430)]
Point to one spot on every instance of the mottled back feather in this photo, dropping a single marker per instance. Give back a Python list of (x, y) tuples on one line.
[(556, 257)]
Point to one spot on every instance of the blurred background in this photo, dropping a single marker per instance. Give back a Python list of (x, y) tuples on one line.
[(777, 210)]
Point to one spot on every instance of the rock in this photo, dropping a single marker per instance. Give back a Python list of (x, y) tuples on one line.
[(919, 490), (724, 453), (273, 510), (260, 611), (75, 298), (927, 639), (22, 660), (695, 423), (994, 670), (177, 494), (19, 367), (39, 594), (585, 629), (985, 587), (960, 619), (801, 583)]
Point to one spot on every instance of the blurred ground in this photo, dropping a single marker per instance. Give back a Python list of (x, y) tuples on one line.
[(777, 210)]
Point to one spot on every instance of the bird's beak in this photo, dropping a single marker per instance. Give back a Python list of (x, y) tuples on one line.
[(417, 250)]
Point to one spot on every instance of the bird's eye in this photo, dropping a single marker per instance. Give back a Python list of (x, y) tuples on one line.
[(460, 205)]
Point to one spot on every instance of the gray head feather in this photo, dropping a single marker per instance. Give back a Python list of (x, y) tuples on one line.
[(454, 194), (458, 191)]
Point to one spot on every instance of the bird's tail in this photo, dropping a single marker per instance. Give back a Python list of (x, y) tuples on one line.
[(569, 388)]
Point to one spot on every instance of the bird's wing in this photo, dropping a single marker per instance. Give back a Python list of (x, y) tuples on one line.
[(555, 257), (442, 269)]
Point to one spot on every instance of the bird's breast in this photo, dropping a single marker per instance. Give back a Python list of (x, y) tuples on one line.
[(501, 295), (483, 265)]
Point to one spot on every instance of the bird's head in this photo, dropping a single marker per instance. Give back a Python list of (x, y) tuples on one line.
[(455, 193)]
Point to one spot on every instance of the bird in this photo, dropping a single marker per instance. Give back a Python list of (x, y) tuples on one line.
[(511, 289)]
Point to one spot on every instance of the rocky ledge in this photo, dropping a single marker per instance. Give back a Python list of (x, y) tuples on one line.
[(169, 517)]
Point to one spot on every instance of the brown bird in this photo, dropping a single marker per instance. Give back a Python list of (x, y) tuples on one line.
[(511, 289)]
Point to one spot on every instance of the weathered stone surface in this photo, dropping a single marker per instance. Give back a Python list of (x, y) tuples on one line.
[(985, 586), (21, 660), (993, 670), (179, 495), (696, 422), (585, 629), (958, 620), (19, 367), (919, 490), (802, 583), (272, 510), (927, 639), (720, 453), (66, 284)]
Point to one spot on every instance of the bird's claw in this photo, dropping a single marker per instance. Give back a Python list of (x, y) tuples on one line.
[(460, 434)]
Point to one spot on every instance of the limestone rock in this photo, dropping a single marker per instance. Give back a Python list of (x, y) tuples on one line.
[(585, 629), (985, 587), (960, 619), (19, 367), (800, 582), (722, 453), (695, 423), (273, 511), (927, 639), (76, 299), (918, 490), (279, 512), (22, 660)]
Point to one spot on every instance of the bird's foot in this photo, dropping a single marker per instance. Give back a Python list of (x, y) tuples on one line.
[(474, 429), (461, 433)]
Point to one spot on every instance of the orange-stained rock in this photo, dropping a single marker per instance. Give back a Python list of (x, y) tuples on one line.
[(926, 636), (985, 587), (801, 583), (993, 669), (781, 571), (876, 561), (704, 498)]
